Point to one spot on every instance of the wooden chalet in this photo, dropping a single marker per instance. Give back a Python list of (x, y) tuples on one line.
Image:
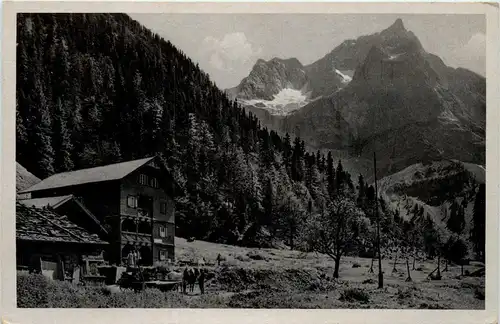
[(50, 243), (132, 200)]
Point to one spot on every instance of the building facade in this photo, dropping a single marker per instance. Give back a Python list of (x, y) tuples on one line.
[(133, 201), (46, 241)]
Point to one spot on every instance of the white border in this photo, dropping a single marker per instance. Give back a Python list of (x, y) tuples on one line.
[(10, 314)]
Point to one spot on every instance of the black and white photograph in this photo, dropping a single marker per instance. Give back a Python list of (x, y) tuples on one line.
[(251, 160)]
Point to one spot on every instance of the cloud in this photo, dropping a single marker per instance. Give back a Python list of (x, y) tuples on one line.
[(476, 46), (229, 53), (472, 55)]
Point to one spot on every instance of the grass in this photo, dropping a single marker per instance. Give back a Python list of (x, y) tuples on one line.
[(269, 278)]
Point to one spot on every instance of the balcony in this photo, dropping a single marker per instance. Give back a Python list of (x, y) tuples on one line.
[(141, 212)]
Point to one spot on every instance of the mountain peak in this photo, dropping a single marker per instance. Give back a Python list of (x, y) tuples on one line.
[(396, 29), (398, 24)]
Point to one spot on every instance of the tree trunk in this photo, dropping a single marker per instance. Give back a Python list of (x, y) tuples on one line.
[(408, 269), (439, 267), (414, 257), (371, 267), (446, 266), (462, 268), (337, 266), (394, 266)]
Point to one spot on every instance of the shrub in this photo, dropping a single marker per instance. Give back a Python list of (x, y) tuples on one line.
[(479, 293), (242, 258), (356, 265), (405, 293), (256, 256), (354, 294), (369, 281), (31, 291), (36, 291)]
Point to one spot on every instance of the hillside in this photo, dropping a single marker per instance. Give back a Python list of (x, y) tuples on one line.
[(24, 179), (105, 89), (272, 278), (443, 191)]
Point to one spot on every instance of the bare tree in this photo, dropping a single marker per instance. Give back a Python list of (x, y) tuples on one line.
[(337, 229)]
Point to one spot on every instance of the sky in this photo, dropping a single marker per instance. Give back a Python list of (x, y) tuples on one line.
[(226, 46)]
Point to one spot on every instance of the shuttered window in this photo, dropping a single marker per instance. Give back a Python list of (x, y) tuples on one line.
[(163, 255), (132, 201), (143, 179), (163, 231), (154, 183)]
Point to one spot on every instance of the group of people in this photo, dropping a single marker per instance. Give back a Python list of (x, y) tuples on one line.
[(189, 278), (133, 258)]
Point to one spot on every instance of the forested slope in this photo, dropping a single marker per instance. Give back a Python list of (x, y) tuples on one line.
[(95, 89)]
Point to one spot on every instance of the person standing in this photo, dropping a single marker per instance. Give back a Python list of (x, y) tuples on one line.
[(201, 281), (130, 260)]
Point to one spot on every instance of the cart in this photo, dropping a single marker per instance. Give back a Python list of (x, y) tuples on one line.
[(133, 279)]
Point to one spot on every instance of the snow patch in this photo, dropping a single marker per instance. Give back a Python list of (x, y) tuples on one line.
[(283, 103), (345, 78), (393, 57)]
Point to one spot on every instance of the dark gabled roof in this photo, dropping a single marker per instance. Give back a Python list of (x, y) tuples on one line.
[(109, 172), (42, 224), (55, 202), (52, 202)]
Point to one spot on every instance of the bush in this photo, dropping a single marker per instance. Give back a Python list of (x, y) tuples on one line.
[(479, 293), (406, 293), (369, 281), (31, 291), (242, 258), (36, 291), (354, 294), (356, 265), (256, 256)]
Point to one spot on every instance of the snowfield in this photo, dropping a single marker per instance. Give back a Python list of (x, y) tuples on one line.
[(283, 103)]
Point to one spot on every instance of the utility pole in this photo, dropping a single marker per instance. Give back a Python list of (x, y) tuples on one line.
[(380, 274)]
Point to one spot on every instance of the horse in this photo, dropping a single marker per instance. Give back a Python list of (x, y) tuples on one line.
[(189, 278)]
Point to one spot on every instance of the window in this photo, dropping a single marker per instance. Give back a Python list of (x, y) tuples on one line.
[(154, 183), (163, 231), (163, 207), (143, 179), (132, 201), (163, 255)]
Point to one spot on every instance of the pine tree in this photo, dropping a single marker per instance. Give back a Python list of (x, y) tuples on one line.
[(61, 140), (340, 177), (330, 171), (40, 137), (361, 189)]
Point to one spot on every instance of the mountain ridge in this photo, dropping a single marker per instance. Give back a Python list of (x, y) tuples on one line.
[(398, 96)]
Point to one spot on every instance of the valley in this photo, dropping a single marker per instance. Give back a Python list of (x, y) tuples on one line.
[(275, 175)]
